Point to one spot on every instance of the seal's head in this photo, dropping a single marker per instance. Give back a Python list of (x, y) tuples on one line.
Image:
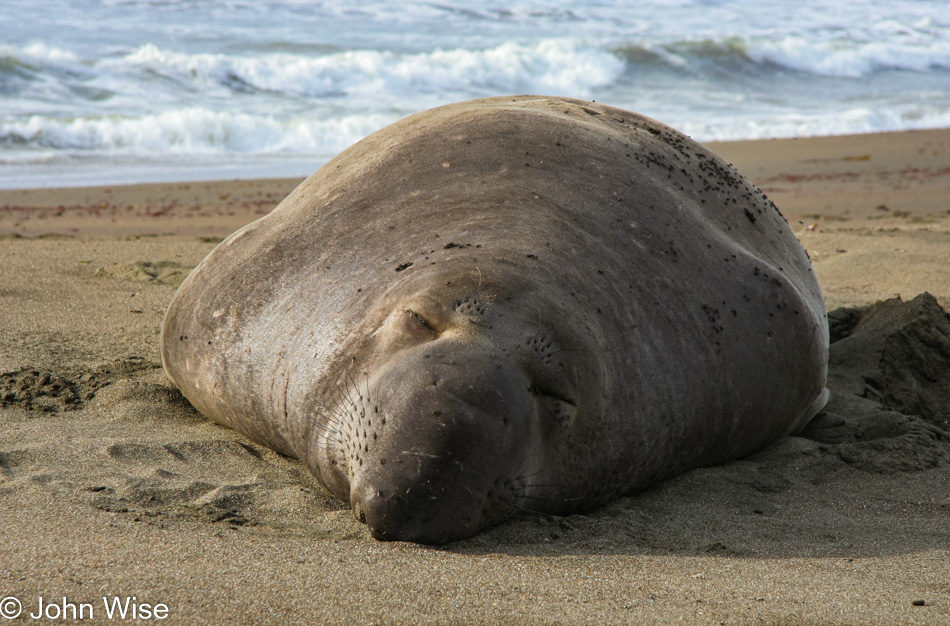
[(446, 426)]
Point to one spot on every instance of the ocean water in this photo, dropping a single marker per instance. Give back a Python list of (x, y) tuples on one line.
[(112, 91)]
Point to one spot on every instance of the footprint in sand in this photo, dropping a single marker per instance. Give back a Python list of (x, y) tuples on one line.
[(36, 390), (164, 272), (133, 446), (51, 392), (210, 481)]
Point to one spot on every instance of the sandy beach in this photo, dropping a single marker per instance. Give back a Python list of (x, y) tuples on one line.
[(112, 486)]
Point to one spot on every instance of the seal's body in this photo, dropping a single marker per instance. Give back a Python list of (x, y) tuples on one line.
[(506, 304)]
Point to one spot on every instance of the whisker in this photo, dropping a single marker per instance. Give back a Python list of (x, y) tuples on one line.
[(356, 388), (333, 415), (368, 397), (328, 424), (525, 475), (345, 391), (559, 350), (341, 401), (379, 385)]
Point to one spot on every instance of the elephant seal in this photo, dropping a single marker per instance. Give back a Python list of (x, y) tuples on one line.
[(518, 303)]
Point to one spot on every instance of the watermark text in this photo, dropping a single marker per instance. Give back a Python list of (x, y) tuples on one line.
[(109, 607)]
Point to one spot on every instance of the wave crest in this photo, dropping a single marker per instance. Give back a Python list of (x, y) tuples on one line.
[(188, 131), (837, 58), (551, 65)]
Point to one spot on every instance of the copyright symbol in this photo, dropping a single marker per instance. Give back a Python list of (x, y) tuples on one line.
[(10, 607)]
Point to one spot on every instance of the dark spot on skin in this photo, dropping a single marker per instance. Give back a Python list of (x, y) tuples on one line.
[(749, 215), (406, 265)]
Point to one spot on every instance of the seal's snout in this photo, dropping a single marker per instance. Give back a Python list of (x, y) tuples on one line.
[(421, 515), (429, 482), (458, 427)]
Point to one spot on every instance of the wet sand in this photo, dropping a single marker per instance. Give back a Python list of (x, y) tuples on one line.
[(112, 485)]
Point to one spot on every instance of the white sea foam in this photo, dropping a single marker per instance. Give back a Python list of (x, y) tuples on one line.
[(850, 121), (188, 131), (850, 59), (550, 65), (37, 52)]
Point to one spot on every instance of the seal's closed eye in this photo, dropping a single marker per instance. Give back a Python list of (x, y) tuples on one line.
[(405, 327), (554, 407), (416, 322)]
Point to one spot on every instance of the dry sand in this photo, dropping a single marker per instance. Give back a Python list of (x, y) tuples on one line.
[(111, 485)]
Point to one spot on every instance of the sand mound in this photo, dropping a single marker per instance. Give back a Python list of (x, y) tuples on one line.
[(896, 353)]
